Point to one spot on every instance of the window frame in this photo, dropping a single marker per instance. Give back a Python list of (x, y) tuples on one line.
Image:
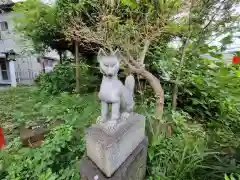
[(4, 26)]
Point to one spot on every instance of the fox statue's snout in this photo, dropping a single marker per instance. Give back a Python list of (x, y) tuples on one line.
[(110, 73)]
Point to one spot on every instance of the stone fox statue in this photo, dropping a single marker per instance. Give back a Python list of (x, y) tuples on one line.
[(112, 90)]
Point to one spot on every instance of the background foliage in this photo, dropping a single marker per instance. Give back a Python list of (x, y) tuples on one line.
[(198, 140), (63, 79)]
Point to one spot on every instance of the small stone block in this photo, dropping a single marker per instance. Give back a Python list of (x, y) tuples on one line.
[(109, 149), (133, 168), (29, 137)]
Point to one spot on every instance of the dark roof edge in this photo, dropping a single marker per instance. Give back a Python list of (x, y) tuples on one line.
[(7, 7)]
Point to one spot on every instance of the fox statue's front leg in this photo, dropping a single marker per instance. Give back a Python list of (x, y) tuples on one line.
[(115, 115), (104, 112)]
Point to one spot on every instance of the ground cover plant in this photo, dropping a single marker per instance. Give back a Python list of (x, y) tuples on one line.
[(58, 156)]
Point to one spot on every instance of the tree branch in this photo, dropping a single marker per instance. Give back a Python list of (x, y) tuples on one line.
[(145, 49), (201, 39), (175, 89), (132, 68), (135, 63)]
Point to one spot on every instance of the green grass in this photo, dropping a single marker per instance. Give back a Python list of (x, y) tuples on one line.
[(26, 106), (60, 153)]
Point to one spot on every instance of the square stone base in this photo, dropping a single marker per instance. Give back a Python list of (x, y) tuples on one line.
[(134, 167), (108, 149)]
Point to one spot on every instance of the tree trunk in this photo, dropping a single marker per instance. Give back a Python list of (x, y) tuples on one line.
[(174, 96), (159, 93), (175, 88), (157, 127), (60, 56), (158, 90), (77, 68)]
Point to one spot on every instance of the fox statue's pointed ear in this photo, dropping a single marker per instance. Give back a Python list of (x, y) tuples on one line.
[(101, 53), (117, 53)]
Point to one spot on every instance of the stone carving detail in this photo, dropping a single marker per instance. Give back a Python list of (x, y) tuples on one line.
[(113, 92)]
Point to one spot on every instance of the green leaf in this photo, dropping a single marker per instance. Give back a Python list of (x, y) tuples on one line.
[(151, 153), (213, 47), (215, 55), (130, 3), (226, 177), (232, 178), (227, 40), (195, 101), (238, 74)]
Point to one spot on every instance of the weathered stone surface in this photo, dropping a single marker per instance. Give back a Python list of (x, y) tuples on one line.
[(109, 149), (134, 167)]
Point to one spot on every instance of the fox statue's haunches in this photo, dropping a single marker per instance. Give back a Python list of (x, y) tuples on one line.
[(112, 91)]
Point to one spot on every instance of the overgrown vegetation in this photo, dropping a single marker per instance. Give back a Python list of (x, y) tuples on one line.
[(192, 151), (63, 79), (196, 137), (59, 155)]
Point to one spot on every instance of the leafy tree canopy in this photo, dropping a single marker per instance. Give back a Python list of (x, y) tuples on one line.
[(44, 25)]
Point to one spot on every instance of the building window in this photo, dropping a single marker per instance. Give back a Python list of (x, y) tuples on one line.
[(4, 26), (4, 70), (50, 63)]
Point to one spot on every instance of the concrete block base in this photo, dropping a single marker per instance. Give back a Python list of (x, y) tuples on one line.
[(109, 149), (134, 167)]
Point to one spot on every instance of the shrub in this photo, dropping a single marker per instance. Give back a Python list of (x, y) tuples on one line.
[(58, 157), (208, 90), (47, 162), (191, 152), (62, 78), (211, 92), (177, 156)]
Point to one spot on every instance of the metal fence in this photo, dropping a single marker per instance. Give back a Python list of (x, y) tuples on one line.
[(26, 77), (26, 68)]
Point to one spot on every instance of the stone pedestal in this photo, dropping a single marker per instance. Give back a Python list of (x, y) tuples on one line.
[(133, 168), (108, 149)]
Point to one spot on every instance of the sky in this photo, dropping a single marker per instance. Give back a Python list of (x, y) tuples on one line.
[(235, 46)]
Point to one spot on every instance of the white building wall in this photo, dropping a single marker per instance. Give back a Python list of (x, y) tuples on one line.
[(26, 63)]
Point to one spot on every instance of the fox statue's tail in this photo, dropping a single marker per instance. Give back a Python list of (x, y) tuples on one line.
[(130, 83)]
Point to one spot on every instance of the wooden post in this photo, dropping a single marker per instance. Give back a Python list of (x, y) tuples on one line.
[(77, 68), (61, 57)]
